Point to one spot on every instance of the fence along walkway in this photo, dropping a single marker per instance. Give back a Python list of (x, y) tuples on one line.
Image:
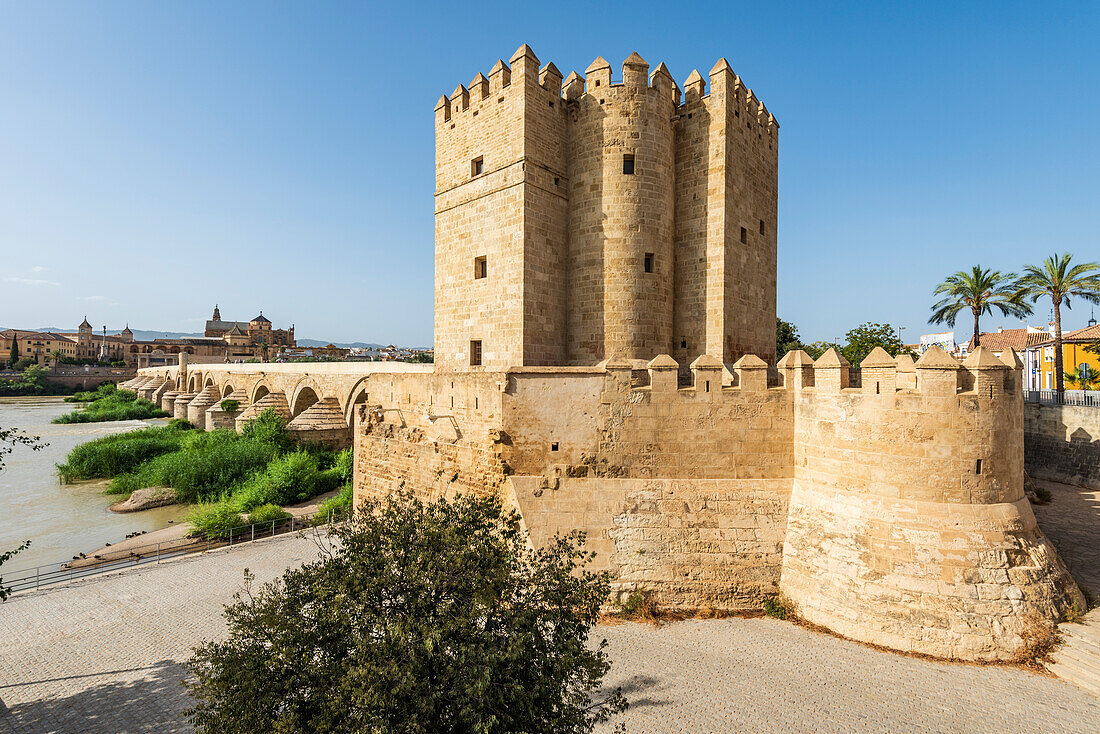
[(1084, 398), (51, 574)]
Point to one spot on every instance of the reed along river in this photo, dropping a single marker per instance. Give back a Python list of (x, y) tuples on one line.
[(60, 520)]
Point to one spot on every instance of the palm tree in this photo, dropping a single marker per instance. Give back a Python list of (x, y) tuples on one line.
[(1061, 281), (1083, 376), (981, 291)]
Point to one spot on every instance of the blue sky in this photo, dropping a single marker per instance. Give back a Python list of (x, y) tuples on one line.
[(156, 158)]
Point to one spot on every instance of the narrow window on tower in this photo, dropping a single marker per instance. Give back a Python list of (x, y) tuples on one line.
[(475, 353), (481, 268), (761, 226), (744, 236), (648, 262), (628, 164), (477, 165)]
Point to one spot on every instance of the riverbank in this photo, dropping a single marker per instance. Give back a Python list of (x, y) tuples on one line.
[(175, 538), (61, 520)]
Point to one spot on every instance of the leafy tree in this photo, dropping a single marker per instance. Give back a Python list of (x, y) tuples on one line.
[(1083, 376), (979, 291), (1059, 280), (1094, 347), (13, 355), (12, 437), (420, 617), (865, 337), (35, 375), (816, 349), (786, 338), (5, 591)]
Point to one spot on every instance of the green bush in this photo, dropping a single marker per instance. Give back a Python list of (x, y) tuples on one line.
[(116, 405), (288, 479), (214, 519), (336, 506), (200, 472), (88, 396), (109, 456), (230, 406), (268, 513), (775, 607), (269, 427)]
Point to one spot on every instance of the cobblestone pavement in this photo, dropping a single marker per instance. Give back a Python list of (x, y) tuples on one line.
[(105, 654), (1072, 522)]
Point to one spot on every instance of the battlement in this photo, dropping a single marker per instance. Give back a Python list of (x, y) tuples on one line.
[(936, 374), (597, 78)]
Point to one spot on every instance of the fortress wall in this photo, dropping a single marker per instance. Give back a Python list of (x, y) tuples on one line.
[(696, 543), (1062, 443), (390, 457), (661, 431), (897, 537)]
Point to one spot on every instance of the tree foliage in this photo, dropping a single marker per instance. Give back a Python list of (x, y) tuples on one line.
[(1060, 280), (860, 341), (978, 292), (420, 617), (1084, 377), (786, 338)]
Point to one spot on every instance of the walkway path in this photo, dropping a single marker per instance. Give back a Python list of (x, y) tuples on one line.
[(105, 654)]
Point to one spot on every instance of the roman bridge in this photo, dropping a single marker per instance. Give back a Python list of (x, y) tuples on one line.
[(317, 399)]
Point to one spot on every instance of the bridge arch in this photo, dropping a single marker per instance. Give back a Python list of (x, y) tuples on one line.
[(259, 391), (209, 381), (358, 395), (194, 383), (227, 391), (306, 392)]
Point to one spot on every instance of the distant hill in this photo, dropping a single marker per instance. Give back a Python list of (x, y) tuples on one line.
[(146, 335)]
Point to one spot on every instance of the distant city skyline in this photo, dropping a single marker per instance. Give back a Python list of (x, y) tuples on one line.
[(158, 159)]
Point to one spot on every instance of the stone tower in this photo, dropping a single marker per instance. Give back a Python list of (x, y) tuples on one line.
[(594, 219)]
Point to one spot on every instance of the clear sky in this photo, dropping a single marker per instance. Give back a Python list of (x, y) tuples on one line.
[(156, 158)]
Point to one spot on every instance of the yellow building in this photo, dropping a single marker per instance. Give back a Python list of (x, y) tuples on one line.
[(1074, 355)]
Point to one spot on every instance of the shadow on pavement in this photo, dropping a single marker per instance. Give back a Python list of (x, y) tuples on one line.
[(152, 702)]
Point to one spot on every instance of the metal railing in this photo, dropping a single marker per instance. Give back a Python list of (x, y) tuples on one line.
[(1083, 398), (37, 577)]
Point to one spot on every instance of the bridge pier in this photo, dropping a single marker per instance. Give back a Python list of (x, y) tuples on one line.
[(323, 422)]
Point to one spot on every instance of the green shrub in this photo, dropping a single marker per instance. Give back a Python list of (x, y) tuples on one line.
[(267, 513), (230, 406), (116, 405), (203, 471), (109, 456), (88, 396), (776, 607), (214, 519), (335, 506), (345, 465), (181, 424), (288, 479), (269, 427)]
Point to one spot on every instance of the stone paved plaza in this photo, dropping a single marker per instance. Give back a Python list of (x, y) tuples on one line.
[(104, 655)]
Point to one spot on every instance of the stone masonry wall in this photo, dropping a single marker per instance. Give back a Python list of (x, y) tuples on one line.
[(696, 543), (1062, 443)]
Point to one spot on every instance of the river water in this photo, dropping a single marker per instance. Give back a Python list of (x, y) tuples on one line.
[(60, 520)]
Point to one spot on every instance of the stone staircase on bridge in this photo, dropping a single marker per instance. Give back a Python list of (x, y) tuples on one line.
[(1077, 658)]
